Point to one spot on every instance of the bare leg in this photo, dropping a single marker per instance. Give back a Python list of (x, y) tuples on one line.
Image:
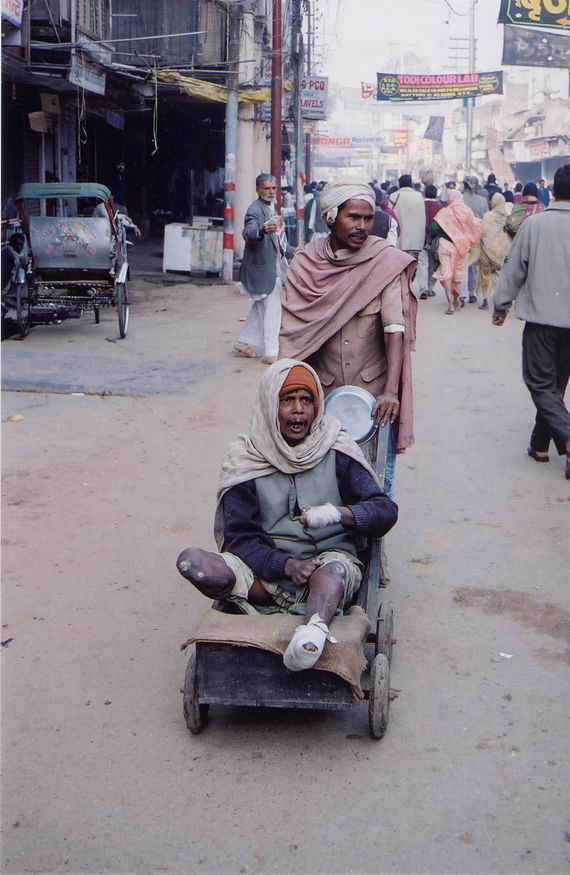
[(326, 586), (210, 574), (207, 571), (448, 289)]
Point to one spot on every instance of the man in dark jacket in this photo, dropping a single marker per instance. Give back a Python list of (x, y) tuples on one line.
[(294, 495), (263, 267)]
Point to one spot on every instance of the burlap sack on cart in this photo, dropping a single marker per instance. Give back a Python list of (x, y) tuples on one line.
[(274, 631)]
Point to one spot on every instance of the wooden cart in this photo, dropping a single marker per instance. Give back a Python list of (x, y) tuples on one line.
[(221, 673)]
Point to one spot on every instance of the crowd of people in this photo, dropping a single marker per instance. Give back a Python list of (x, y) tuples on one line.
[(295, 491)]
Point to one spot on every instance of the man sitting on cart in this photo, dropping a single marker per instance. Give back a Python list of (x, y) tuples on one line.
[(295, 492)]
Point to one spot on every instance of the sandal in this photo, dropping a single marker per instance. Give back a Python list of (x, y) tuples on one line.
[(534, 455), (450, 311), (246, 353)]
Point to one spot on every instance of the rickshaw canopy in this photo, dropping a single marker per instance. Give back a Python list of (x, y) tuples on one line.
[(38, 190)]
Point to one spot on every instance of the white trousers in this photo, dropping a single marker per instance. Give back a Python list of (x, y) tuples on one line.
[(261, 329)]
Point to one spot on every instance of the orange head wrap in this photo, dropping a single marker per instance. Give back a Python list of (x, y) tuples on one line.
[(300, 378)]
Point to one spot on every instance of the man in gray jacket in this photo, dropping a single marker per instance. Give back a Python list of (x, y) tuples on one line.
[(264, 261), (408, 204), (536, 276)]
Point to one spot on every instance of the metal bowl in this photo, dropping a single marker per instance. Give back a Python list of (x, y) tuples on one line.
[(353, 407)]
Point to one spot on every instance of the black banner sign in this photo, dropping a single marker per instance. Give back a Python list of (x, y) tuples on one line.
[(523, 47), (398, 87), (536, 13)]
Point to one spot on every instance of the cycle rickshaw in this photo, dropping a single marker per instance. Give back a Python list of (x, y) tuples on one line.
[(236, 659), (77, 254)]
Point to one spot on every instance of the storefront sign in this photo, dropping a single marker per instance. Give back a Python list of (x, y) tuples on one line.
[(86, 76), (115, 118), (400, 139), (522, 152), (354, 142), (330, 141), (443, 86), (314, 90), (12, 11), (536, 13)]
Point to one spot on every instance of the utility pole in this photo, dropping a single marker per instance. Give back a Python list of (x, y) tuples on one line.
[(276, 97), (470, 100), (235, 11), (310, 37), (298, 119)]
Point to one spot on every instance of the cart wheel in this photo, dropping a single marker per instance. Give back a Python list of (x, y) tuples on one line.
[(97, 317), (385, 631), (122, 292), (23, 309), (379, 701), (195, 714)]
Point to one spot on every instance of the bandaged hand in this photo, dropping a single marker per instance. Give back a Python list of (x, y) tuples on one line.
[(320, 516)]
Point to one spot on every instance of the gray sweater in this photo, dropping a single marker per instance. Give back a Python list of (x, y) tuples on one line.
[(537, 270)]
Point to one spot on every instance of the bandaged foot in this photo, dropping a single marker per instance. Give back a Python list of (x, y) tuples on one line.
[(307, 644), (321, 516)]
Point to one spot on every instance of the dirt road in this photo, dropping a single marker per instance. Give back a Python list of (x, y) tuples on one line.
[(101, 491)]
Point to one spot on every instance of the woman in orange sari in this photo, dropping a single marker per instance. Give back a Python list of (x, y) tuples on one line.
[(458, 229)]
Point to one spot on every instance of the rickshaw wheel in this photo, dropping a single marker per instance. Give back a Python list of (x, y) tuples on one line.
[(23, 309), (385, 631), (122, 292), (195, 714), (379, 700)]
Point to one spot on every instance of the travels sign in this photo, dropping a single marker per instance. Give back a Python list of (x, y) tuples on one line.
[(440, 86), (536, 13)]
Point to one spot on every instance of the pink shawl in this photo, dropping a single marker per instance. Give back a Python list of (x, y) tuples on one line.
[(460, 223), (324, 290)]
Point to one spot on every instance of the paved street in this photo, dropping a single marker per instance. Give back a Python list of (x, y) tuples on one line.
[(112, 472)]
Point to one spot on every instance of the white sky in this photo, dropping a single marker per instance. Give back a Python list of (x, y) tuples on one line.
[(358, 38)]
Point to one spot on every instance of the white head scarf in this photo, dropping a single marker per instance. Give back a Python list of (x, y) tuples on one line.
[(336, 193), (263, 449)]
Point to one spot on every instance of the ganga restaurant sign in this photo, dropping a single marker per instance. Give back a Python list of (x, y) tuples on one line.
[(536, 13), (441, 86)]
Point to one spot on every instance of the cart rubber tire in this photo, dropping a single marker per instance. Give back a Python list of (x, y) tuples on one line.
[(97, 315), (195, 714), (385, 631), (379, 700), (23, 309), (122, 292)]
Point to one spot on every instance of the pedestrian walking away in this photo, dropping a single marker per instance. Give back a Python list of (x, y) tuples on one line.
[(263, 267), (427, 263), (408, 205), (294, 494), (535, 277), (458, 229), (479, 203), (350, 312), (528, 206), (495, 244)]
